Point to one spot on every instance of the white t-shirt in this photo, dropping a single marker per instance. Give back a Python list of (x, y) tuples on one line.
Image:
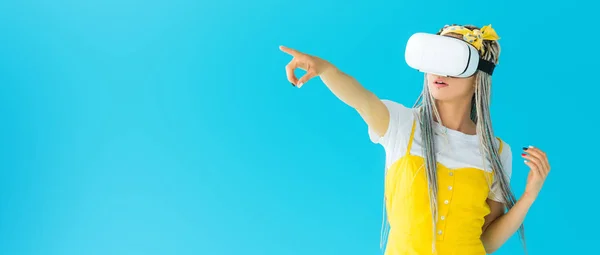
[(453, 150)]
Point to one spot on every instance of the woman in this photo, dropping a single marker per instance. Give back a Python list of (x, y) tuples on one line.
[(447, 177)]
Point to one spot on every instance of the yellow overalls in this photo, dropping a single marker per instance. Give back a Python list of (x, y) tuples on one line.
[(462, 206)]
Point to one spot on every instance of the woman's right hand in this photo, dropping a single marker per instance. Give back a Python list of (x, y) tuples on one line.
[(343, 86), (314, 66)]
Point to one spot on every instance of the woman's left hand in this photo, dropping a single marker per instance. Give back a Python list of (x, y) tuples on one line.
[(539, 168)]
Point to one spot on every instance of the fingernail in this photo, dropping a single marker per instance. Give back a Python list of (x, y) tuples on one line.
[(523, 154), (530, 146), (525, 148), (293, 84), (299, 84)]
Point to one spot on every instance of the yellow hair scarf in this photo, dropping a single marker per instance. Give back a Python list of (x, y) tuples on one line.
[(474, 37)]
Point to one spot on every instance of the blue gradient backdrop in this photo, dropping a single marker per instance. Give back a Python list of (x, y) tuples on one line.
[(168, 127)]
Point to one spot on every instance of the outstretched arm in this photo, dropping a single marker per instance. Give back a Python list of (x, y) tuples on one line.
[(343, 86)]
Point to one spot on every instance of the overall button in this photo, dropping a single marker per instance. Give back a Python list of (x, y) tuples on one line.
[(451, 173), (446, 201), (439, 232), (443, 217), (449, 187)]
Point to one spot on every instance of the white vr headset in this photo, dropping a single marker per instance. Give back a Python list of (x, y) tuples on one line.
[(444, 56)]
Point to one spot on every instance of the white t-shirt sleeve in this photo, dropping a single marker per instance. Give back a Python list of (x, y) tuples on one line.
[(395, 139), (506, 158)]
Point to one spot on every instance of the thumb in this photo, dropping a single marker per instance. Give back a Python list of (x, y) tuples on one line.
[(306, 77)]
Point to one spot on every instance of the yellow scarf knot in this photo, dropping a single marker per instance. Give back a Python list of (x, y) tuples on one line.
[(474, 37)]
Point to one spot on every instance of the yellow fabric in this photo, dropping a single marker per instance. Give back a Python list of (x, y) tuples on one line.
[(474, 37), (462, 206)]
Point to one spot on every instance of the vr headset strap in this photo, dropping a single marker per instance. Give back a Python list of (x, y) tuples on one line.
[(486, 66)]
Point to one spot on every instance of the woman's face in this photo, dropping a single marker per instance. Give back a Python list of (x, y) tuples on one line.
[(451, 89)]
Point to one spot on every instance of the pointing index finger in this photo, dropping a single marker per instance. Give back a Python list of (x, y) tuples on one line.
[(290, 51)]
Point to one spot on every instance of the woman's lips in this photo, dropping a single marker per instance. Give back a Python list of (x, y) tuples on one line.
[(439, 83)]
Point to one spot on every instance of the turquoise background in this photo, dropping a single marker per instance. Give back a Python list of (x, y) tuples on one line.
[(168, 127)]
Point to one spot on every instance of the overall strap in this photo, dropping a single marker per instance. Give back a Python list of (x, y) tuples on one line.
[(411, 138), (500, 148), (499, 153)]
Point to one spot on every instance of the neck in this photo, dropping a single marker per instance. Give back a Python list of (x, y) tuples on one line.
[(456, 115)]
